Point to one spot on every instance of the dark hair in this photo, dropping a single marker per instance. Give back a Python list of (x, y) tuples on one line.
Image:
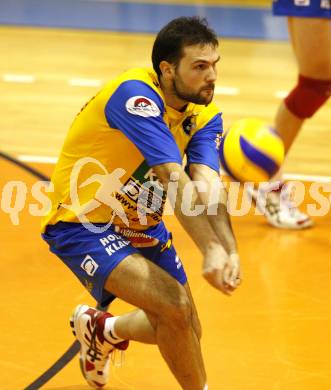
[(180, 32)]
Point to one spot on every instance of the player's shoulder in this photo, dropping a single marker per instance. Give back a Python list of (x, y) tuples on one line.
[(147, 75), (137, 84), (137, 79)]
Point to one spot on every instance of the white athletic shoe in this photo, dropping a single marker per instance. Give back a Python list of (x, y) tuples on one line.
[(278, 208), (88, 326)]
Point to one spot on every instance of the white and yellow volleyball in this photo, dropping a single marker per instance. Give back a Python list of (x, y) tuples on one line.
[(251, 151)]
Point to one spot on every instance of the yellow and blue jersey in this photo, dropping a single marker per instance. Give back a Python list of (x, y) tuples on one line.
[(106, 163)]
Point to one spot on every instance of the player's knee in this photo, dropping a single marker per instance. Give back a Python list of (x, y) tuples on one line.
[(308, 96), (182, 312), (176, 310)]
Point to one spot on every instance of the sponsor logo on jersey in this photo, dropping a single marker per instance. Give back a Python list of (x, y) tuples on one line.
[(144, 192), (189, 124), (142, 106), (89, 265)]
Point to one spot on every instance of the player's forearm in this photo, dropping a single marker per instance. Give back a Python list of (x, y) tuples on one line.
[(181, 194), (219, 221), (199, 230), (197, 226), (221, 225), (215, 199)]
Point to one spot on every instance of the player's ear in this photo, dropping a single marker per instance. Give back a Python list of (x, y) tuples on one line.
[(166, 69)]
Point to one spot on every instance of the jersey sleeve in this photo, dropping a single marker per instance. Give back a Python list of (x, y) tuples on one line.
[(203, 146), (137, 110)]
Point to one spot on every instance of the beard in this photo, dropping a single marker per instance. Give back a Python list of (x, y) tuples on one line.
[(198, 97)]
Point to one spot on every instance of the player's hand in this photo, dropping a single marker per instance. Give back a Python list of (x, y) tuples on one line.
[(221, 270)]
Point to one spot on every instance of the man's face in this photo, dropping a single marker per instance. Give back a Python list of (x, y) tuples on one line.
[(195, 75)]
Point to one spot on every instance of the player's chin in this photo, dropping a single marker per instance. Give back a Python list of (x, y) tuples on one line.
[(207, 95)]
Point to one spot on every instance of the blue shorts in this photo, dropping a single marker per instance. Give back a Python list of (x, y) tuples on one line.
[(302, 8), (92, 256)]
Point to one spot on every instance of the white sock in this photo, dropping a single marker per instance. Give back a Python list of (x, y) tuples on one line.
[(109, 331), (206, 387)]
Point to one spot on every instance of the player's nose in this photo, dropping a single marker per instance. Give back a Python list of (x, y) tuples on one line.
[(211, 75)]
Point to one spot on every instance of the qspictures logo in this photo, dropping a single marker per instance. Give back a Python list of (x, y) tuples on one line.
[(140, 197), (14, 195), (109, 185)]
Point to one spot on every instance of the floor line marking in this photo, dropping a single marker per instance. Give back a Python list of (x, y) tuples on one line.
[(287, 176), (231, 91), (37, 159), (19, 78), (81, 82)]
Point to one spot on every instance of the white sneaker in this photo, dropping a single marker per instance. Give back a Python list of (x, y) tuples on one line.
[(88, 326), (275, 203)]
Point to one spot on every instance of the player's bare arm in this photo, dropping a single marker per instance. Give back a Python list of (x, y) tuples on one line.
[(220, 222), (219, 269), (215, 198)]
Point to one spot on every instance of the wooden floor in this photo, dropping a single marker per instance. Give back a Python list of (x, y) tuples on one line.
[(272, 334)]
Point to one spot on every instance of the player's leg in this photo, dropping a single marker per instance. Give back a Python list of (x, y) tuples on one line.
[(145, 285), (133, 325), (195, 318), (108, 266), (311, 41), (140, 325), (172, 324)]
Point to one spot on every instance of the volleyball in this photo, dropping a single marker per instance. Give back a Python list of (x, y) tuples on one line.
[(251, 151)]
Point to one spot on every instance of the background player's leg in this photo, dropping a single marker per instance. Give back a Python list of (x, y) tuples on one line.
[(288, 126), (311, 41), (312, 36), (147, 286)]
